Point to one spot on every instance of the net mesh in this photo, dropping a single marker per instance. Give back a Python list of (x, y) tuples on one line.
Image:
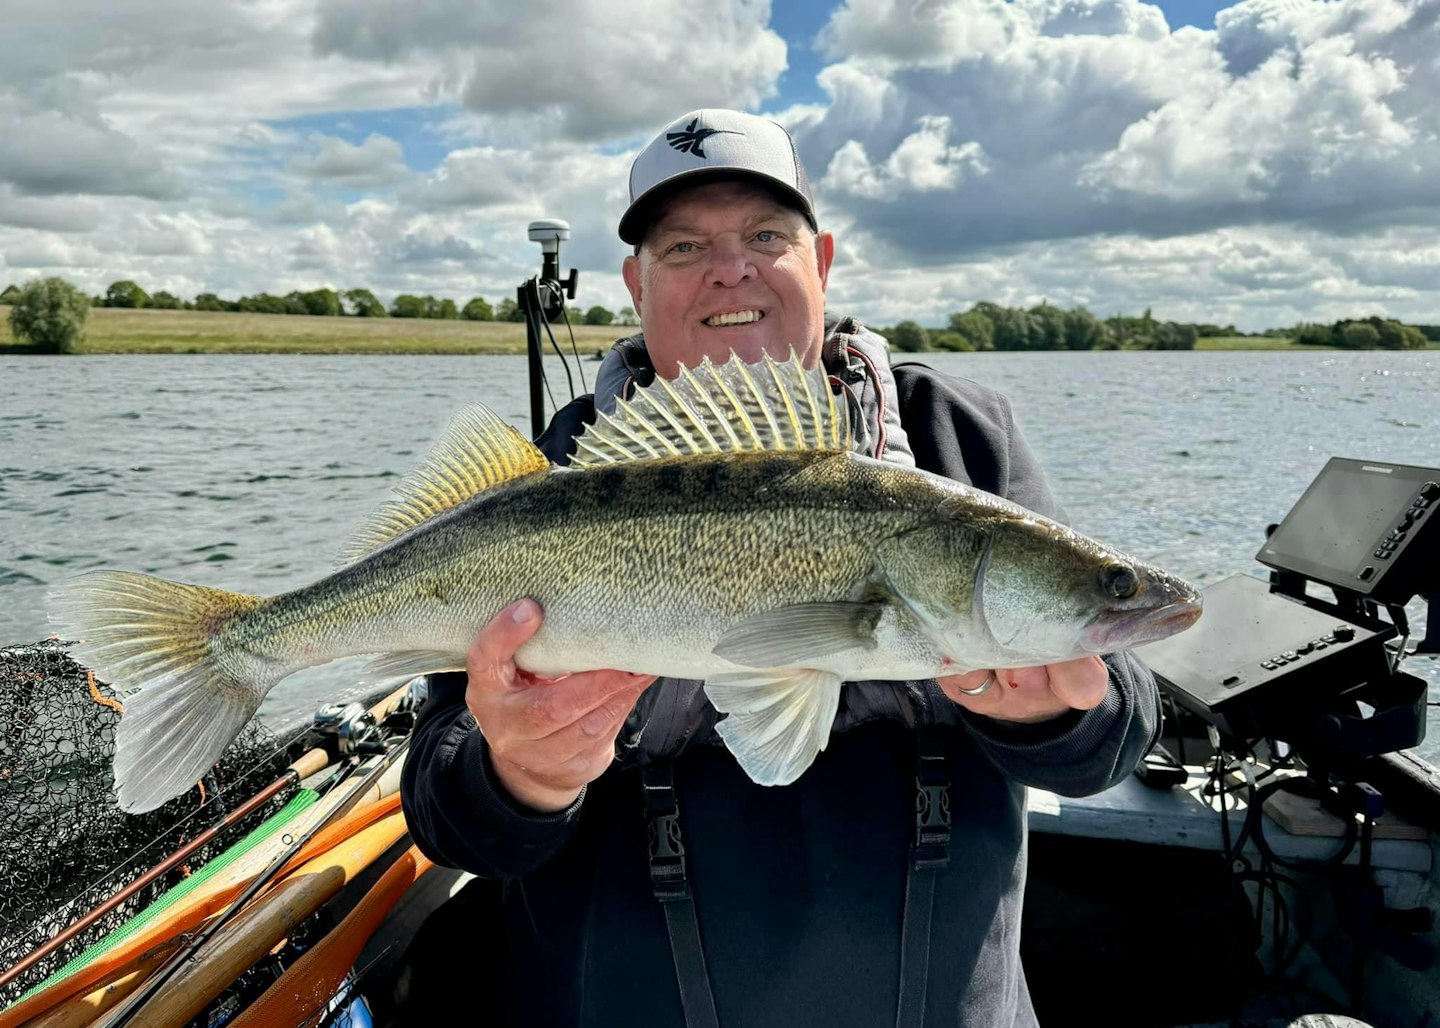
[(65, 846)]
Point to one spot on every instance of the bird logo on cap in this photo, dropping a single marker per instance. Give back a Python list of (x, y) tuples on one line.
[(691, 139)]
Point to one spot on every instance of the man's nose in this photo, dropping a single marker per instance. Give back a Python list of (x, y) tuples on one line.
[(730, 263)]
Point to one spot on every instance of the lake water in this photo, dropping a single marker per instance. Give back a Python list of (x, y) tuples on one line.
[(247, 472)]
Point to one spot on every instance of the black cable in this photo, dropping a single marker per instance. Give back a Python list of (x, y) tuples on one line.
[(540, 314), (1352, 830), (569, 381), (579, 364)]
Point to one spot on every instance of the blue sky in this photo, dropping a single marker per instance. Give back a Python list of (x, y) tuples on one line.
[(1273, 166)]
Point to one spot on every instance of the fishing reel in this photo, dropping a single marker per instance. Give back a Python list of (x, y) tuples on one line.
[(350, 729)]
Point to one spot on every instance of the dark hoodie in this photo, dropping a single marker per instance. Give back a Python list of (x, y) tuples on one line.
[(798, 890)]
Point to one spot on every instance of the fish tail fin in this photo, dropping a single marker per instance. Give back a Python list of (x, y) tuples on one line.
[(779, 720), (161, 646)]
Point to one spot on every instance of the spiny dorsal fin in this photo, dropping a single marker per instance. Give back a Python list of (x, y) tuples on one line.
[(477, 452), (720, 408)]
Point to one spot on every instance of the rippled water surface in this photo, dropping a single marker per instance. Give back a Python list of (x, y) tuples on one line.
[(247, 472)]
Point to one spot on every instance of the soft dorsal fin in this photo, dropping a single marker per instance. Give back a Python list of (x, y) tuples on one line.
[(477, 452), (720, 408)]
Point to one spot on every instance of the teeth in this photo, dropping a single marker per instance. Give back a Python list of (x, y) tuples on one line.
[(737, 318)]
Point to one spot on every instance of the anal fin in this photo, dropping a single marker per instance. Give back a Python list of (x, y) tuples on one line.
[(778, 720), (408, 663)]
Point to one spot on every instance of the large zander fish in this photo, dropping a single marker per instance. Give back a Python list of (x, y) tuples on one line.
[(719, 527)]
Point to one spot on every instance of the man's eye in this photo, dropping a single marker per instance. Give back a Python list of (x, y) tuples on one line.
[(766, 236), (682, 248)]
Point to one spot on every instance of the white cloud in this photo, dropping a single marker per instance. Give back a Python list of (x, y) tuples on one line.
[(419, 249), (921, 32), (317, 248), (378, 161), (923, 162), (1310, 120), (589, 69), (960, 129), (1251, 277), (178, 235), (47, 213), (51, 153), (41, 252)]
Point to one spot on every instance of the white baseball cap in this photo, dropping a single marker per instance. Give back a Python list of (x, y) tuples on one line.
[(714, 144)]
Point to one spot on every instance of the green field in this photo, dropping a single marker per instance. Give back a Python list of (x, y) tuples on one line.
[(1254, 343), (119, 330)]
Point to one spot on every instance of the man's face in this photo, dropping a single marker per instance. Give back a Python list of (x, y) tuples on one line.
[(726, 266)]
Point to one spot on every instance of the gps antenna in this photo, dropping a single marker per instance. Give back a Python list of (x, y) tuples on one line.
[(542, 300)]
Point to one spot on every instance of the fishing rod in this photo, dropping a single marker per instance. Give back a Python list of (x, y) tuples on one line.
[(134, 1004), (382, 762), (343, 730), (170, 862)]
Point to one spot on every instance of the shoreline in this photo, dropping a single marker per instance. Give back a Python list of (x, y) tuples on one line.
[(114, 330), (587, 349)]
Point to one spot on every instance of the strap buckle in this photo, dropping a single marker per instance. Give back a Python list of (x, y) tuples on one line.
[(932, 815), (667, 848)]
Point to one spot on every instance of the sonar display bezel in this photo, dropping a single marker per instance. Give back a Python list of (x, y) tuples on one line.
[(1388, 550)]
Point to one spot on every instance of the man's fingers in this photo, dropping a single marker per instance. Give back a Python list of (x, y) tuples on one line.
[(607, 716), (1081, 683), (492, 655), (1033, 693), (554, 707)]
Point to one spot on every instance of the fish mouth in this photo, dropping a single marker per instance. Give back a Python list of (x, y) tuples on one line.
[(1120, 629)]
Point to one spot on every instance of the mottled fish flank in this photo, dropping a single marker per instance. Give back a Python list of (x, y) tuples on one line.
[(717, 527)]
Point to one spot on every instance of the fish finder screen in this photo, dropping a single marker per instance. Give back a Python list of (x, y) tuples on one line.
[(1339, 521)]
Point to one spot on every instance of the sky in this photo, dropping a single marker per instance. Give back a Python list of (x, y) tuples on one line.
[(1258, 164)]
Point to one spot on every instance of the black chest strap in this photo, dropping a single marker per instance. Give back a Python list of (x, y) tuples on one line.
[(929, 853), (672, 889)]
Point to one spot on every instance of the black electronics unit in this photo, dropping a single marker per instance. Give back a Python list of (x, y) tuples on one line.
[(1259, 664), (1367, 527), (1272, 660)]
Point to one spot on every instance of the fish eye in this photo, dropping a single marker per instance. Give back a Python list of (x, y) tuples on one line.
[(1119, 581)]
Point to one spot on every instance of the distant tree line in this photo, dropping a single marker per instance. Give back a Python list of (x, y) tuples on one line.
[(985, 326), (1371, 333), (355, 303), (988, 326)]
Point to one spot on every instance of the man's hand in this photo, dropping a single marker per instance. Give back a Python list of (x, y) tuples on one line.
[(1033, 693), (547, 737)]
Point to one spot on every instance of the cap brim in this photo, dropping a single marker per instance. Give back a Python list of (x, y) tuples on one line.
[(636, 220)]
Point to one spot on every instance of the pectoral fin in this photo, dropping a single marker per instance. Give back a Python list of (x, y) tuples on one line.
[(800, 634), (779, 719)]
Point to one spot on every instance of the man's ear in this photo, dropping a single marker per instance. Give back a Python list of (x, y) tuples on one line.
[(630, 271), (824, 257)]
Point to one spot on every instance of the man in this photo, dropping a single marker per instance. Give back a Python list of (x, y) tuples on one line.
[(828, 901)]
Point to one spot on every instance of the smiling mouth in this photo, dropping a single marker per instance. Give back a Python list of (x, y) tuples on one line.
[(733, 318)]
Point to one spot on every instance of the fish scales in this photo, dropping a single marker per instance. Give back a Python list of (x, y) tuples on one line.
[(724, 536)]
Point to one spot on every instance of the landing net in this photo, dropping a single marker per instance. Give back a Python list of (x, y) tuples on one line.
[(65, 846)]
